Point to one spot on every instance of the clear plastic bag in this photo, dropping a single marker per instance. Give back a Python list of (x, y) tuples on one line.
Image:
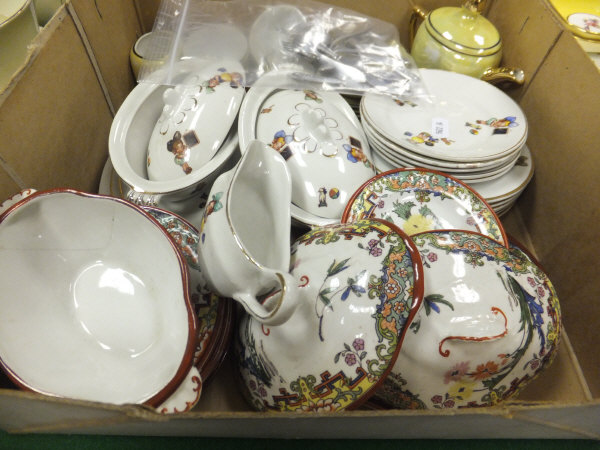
[(319, 46)]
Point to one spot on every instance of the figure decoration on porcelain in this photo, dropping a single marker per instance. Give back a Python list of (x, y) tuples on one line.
[(359, 286), (328, 156), (490, 322), (196, 118)]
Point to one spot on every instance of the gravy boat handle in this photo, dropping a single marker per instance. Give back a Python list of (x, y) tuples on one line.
[(282, 301)]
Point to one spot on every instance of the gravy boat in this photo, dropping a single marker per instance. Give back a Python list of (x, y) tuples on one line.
[(244, 248)]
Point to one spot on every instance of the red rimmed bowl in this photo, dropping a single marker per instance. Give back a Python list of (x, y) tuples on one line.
[(95, 302)]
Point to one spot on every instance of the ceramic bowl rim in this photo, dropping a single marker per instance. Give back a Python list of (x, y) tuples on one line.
[(187, 360)]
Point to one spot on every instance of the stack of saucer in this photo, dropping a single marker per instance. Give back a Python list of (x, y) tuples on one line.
[(465, 127)]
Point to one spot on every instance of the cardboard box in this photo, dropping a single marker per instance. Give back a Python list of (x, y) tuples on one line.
[(54, 123)]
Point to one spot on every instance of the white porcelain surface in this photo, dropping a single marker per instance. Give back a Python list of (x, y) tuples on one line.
[(467, 120), (195, 120), (214, 313), (128, 147), (245, 235), (420, 200), (360, 285), (512, 183), (321, 139), (490, 321), (103, 312)]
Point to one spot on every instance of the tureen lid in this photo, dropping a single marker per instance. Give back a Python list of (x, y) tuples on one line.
[(464, 30)]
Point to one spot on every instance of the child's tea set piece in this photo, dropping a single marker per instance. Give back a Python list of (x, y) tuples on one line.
[(359, 287), (490, 321), (423, 200), (197, 116), (115, 307), (128, 150), (245, 235), (460, 39)]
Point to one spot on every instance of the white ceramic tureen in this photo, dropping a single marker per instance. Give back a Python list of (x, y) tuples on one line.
[(320, 138), (196, 118)]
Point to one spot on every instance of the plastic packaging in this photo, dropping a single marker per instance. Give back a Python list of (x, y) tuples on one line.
[(324, 47)]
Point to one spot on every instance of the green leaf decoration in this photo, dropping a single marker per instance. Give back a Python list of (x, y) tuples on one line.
[(336, 268), (403, 209), (425, 211), (326, 301)]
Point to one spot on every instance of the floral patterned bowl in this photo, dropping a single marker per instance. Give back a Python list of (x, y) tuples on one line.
[(490, 322), (419, 200), (360, 285)]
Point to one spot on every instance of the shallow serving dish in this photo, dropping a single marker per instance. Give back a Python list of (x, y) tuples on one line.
[(419, 200), (95, 302)]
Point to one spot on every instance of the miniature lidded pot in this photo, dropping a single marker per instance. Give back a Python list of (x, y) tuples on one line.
[(460, 39)]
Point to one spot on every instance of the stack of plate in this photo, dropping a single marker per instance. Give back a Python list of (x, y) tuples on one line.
[(465, 127)]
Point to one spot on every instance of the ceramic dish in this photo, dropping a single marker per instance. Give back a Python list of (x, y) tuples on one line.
[(116, 306), (466, 175), (394, 150), (418, 201), (195, 121), (467, 120), (322, 133), (513, 183), (128, 150), (360, 286), (214, 313), (490, 322)]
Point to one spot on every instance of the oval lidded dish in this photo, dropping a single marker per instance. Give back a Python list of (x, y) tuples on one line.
[(490, 322), (360, 286)]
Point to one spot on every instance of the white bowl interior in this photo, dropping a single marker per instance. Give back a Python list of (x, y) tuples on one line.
[(93, 299)]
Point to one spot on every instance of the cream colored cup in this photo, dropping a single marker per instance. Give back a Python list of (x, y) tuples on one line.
[(18, 26)]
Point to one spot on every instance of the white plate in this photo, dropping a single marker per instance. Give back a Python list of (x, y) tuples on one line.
[(459, 102), (395, 150), (511, 184)]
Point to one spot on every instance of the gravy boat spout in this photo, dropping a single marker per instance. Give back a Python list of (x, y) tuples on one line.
[(244, 248)]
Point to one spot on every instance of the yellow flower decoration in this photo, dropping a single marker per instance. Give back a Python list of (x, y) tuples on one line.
[(417, 223), (461, 390)]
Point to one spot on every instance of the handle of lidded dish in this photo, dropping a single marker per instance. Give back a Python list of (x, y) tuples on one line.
[(495, 311), (143, 198), (6, 204), (500, 74), (276, 307)]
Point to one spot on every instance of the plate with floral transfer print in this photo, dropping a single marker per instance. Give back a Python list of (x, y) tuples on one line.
[(424, 200), (490, 322), (360, 286)]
